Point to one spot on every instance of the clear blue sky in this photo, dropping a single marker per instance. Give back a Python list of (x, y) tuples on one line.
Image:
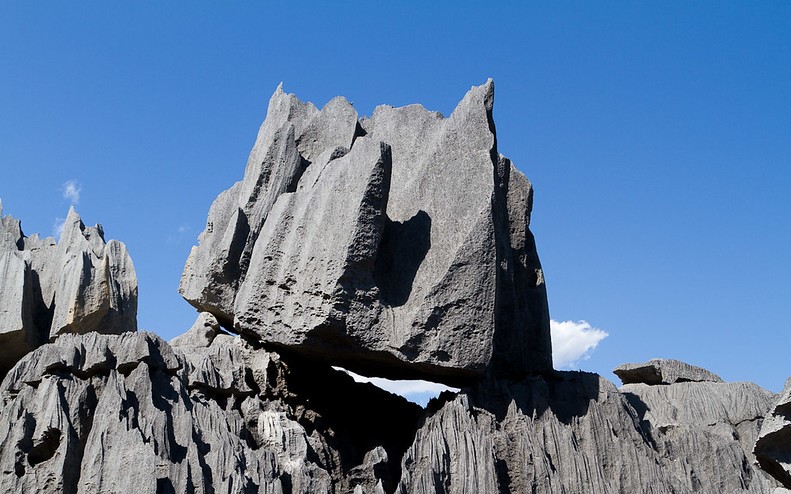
[(657, 137)]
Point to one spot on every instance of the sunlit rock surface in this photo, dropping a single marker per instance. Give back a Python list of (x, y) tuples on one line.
[(395, 245), (79, 284)]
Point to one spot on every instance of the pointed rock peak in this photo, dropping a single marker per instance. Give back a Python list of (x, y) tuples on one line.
[(476, 98), (338, 102), (72, 226)]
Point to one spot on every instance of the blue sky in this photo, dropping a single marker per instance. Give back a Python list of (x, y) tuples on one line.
[(657, 137)]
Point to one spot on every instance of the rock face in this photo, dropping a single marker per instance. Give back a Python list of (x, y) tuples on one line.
[(773, 447), (396, 245), (575, 432), (130, 413), (663, 371), (76, 285), (703, 428)]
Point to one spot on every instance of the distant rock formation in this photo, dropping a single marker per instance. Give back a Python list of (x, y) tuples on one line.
[(396, 245), (663, 371), (702, 428), (773, 447), (48, 288)]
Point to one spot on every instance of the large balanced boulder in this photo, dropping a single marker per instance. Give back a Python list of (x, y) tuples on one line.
[(76, 285), (396, 245)]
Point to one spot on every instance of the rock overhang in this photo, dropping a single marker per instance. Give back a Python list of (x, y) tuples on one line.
[(396, 245)]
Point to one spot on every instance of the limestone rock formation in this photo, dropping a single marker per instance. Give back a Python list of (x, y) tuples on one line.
[(773, 446), (575, 432), (76, 285), (663, 371), (130, 413), (704, 429), (396, 245)]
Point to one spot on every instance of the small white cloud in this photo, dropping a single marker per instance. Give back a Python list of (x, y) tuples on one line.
[(57, 227), (573, 341), (183, 229), (71, 191), (407, 389)]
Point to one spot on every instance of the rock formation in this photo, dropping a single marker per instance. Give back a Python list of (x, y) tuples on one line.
[(663, 371), (76, 285), (703, 428), (397, 245), (129, 413), (773, 447)]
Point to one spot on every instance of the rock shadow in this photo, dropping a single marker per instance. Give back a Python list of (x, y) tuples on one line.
[(565, 394), (403, 248), (354, 418)]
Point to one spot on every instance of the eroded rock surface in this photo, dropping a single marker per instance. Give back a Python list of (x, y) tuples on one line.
[(773, 446), (130, 413), (575, 432), (663, 371), (48, 288), (397, 245), (703, 428)]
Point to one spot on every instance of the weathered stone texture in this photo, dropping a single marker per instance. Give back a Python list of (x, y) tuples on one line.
[(773, 445), (48, 288), (397, 245), (663, 371), (128, 413)]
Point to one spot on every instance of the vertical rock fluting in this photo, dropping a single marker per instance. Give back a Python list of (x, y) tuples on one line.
[(396, 245), (130, 413), (773, 446), (76, 285)]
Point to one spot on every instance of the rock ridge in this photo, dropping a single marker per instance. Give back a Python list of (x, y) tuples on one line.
[(75, 285)]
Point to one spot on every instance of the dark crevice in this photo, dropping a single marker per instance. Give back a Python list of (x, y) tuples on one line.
[(46, 447), (317, 396)]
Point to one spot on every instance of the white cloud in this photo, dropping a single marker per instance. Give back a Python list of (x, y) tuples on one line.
[(57, 227), (183, 229), (71, 191), (404, 388), (573, 341)]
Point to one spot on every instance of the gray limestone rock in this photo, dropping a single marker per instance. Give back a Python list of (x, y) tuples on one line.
[(128, 413), (663, 371), (395, 246), (76, 285), (704, 431), (572, 432), (773, 446), (575, 432), (293, 136)]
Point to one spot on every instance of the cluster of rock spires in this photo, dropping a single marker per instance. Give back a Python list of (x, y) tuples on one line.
[(49, 288), (397, 246)]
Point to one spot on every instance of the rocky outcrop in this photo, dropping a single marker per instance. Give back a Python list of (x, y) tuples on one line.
[(703, 429), (773, 446), (48, 288), (663, 371), (130, 413), (397, 245)]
